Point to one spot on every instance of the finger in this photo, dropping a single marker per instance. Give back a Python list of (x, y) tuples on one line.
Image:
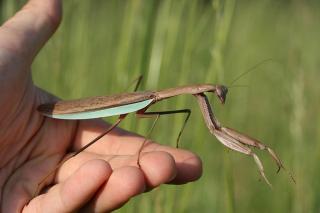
[(75, 191), (123, 184), (158, 167), (31, 27), (120, 142)]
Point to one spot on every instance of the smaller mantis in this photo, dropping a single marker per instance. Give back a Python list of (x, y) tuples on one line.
[(139, 102)]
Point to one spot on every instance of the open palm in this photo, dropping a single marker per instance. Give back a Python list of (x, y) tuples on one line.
[(101, 178)]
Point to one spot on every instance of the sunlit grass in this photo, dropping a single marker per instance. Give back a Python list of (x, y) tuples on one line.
[(102, 45)]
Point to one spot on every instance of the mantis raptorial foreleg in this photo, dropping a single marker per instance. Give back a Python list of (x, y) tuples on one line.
[(232, 138), (235, 145), (244, 139)]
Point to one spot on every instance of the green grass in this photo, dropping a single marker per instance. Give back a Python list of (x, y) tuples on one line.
[(102, 45)]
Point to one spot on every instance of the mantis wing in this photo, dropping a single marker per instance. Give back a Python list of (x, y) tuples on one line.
[(100, 113)]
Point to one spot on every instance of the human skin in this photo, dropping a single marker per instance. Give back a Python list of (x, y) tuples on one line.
[(100, 179)]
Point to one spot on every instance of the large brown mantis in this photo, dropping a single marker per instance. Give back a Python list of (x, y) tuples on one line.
[(139, 103)]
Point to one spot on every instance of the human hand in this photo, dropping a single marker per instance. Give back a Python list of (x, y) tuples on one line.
[(101, 178)]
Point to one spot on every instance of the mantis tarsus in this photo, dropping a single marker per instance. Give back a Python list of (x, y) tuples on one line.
[(139, 102)]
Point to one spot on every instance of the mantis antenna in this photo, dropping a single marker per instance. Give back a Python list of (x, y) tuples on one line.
[(250, 70)]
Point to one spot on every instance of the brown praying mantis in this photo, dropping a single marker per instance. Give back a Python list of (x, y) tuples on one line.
[(139, 102)]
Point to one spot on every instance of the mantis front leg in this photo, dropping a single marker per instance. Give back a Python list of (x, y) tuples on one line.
[(234, 139), (244, 139), (235, 145)]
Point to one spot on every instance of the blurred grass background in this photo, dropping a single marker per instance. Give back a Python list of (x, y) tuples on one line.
[(101, 46)]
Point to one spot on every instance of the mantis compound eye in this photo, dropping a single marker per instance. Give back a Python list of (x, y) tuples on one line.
[(221, 91)]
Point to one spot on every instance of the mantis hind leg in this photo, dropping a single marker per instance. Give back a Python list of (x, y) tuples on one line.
[(137, 82), (45, 178), (139, 79)]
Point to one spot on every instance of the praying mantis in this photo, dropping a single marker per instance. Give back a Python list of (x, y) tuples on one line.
[(139, 102)]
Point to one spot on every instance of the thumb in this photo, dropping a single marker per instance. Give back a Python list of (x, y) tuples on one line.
[(30, 28)]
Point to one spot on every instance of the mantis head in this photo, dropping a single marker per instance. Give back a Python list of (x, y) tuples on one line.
[(221, 91)]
